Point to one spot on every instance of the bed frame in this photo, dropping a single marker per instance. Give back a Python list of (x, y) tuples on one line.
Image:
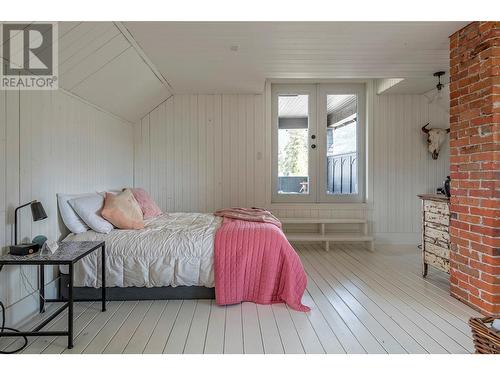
[(134, 293)]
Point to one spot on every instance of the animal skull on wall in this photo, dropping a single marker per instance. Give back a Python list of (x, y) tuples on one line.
[(435, 138)]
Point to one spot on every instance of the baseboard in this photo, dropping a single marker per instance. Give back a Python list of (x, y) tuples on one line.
[(23, 310), (397, 238)]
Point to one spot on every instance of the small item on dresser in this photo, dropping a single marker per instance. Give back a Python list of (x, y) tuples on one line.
[(40, 240), (24, 249), (445, 189), (447, 186)]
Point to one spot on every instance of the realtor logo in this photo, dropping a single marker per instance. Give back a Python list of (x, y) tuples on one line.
[(29, 56)]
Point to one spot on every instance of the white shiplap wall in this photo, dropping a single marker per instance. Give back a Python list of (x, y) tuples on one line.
[(58, 144), (204, 152), (402, 166)]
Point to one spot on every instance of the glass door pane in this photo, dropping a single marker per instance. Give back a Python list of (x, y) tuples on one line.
[(293, 138), (341, 144)]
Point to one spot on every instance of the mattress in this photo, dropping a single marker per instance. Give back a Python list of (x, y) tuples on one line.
[(173, 249)]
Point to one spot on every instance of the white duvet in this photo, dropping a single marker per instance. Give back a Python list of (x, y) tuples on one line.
[(173, 249)]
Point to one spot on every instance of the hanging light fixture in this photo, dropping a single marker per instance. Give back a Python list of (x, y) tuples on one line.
[(439, 85)]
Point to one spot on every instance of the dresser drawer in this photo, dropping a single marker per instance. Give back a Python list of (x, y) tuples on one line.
[(440, 208), (436, 248), (437, 262), (437, 218), (437, 233)]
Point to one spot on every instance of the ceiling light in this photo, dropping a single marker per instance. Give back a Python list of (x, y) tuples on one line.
[(439, 74)]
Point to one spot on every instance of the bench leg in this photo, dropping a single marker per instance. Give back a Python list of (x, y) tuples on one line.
[(327, 246), (372, 246)]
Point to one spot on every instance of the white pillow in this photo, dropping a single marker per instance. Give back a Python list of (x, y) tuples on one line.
[(68, 215), (89, 209)]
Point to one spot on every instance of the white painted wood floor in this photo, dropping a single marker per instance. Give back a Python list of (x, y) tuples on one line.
[(361, 302)]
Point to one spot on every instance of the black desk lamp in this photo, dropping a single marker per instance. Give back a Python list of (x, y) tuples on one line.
[(38, 213)]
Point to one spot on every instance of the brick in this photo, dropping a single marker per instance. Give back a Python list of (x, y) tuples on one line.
[(482, 248), (489, 297), (474, 268), (471, 219), (484, 212), (481, 229), (490, 279), (475, 165)]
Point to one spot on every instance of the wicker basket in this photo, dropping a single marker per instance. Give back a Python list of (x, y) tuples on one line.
[(486, 340)]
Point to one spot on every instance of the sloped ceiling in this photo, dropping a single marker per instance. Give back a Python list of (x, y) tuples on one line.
[(99, 64), (129, 68)]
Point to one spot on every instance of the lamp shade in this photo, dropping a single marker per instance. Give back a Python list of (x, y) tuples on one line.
[(37, 211)]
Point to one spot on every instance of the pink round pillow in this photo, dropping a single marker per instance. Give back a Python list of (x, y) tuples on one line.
[(148, 206)]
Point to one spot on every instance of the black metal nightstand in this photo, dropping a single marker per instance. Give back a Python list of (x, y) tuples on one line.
[(68, 254)]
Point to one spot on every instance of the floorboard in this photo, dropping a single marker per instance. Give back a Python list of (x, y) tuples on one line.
[(361, 302), (93, 328), (214, 342), (177, 339), (145, 329), (158, 340), (366, 292), (233, 334), (106, 334), (58, 345), (271, 339), (458, 328), (252, 331), (411, 305), (129, 327), (195, 343), (10, 344), (389, 333), (288, 333)]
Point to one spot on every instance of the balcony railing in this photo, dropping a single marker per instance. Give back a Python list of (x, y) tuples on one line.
[(342, 174), (341, 177), (293, 184)]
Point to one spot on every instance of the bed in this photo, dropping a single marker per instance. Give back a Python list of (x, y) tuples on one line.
[(173, 250), (193, 255)]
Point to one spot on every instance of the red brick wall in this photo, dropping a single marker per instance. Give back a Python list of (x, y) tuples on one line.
[(475, 165)]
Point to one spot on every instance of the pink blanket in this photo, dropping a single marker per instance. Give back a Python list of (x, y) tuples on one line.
[(249, 214), (254, 262)]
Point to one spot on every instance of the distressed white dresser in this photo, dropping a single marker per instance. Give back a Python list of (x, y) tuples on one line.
[(435, 232)]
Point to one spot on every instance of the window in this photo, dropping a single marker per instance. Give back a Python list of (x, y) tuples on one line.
[(318, 142)]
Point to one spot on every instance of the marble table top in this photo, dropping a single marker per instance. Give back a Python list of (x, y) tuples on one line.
[(67, 253)]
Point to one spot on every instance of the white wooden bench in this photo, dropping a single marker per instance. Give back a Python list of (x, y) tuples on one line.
[(327, 237)]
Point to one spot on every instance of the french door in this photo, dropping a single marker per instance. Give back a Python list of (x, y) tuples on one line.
[(318, 142), (294, 139)]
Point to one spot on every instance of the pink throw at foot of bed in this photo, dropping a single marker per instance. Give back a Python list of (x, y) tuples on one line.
[(254, 262)]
